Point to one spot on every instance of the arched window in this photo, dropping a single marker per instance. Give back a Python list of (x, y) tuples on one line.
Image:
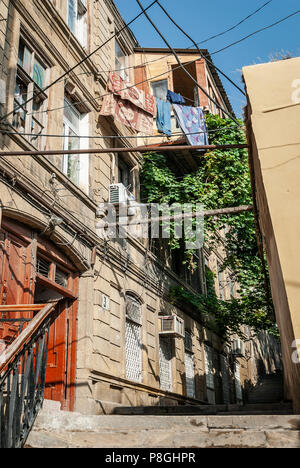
[(133, 339)]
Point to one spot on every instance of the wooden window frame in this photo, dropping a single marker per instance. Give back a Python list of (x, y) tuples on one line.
[(25, 80)]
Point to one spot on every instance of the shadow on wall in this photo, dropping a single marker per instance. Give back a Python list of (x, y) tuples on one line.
[(268, 389), (267, 354)]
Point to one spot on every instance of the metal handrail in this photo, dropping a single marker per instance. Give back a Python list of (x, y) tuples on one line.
[(35, 323), (22, 379)]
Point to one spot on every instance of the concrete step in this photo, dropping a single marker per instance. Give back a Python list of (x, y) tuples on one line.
[(73, 430), (268, 390), (257, 408)]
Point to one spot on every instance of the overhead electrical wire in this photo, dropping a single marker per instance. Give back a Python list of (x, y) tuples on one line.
[(198, 49), (119, 137), (237, 24), (182, 66), (66, 106), (166, 73), (169, 55), (126, 26), (256, 32)]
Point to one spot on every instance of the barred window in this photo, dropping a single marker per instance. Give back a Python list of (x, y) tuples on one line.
[(133, 339), (43, 267)]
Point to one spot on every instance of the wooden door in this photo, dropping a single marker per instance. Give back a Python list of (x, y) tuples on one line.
[(24, 281), (15, 268), (60, 363), (15, 285)]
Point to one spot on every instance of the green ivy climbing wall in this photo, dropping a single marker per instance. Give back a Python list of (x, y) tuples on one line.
[(222, 180)]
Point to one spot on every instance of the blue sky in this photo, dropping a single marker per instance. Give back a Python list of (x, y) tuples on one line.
[(204, 19)]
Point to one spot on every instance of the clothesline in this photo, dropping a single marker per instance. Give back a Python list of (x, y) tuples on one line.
[(136, 108)]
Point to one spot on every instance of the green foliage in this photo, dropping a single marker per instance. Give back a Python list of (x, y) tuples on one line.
[(222, 180)]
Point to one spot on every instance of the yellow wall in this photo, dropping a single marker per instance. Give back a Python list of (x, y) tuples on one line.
[(275, 119)]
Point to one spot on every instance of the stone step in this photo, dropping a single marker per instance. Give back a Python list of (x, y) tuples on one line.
[(257, 408), (72, 430), (268, 390)]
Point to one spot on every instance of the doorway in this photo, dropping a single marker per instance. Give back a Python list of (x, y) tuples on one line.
[(34, 271)]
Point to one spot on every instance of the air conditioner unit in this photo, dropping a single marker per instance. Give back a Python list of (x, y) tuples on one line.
[(238, 348), (118, 193), (171, 325)]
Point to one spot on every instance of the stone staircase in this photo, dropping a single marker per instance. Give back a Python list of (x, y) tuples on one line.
[(59, 429), (269, 389), (284, 408)]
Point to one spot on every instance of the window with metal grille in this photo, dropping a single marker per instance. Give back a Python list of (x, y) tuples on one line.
[(238, 385), (209, 372), (190, 375), (165, 358), (188, 342), (43, 267), (133, 310), (225, 379), (133, 339), (61, 278)]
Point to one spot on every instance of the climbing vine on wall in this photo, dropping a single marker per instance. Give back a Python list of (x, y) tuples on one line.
[(222, 180)]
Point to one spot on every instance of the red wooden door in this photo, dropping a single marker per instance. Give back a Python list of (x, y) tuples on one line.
[(15, 270), (15, 267), (20, 283), (60, 362)]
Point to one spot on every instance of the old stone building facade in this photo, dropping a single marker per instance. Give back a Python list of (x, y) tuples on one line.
[(106, 345)]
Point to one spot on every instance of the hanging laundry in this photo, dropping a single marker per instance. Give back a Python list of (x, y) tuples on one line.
[(163, 119), (175, 98), (127, 114), (131, 93), (192, 123)]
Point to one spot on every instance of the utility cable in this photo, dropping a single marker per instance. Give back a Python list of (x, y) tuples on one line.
[(80, 62), (117, 137), (182, 66), (256, 32), (189, 47), (236, 25), (199, 51), (107, 94), (117, 70), (166, 73)]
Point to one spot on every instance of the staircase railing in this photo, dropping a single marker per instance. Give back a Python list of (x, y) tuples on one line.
[(23, 367)]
